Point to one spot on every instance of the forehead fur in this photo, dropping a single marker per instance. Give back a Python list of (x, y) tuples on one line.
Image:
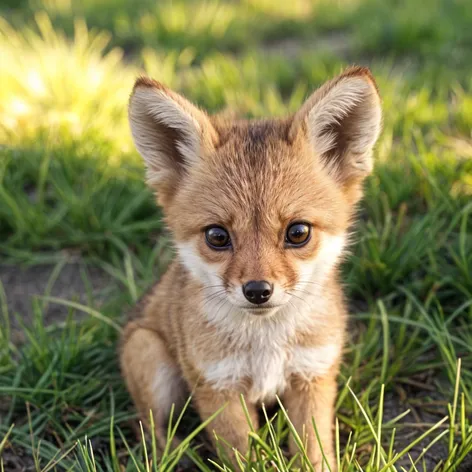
[(257, 175)]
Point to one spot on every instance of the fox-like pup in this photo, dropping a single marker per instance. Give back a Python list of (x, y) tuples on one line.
[(259, 212)]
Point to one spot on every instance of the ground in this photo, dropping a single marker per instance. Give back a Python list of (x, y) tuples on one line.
[(81, 239)]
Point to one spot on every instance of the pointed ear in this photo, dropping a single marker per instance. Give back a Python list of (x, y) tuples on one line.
[(169, 132), (342, 121)]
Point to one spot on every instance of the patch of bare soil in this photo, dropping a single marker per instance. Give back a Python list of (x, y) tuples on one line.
[(427, 407), (75, 280), (16, 460), (411, 427)]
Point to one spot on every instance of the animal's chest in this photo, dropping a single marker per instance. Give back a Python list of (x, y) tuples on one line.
[(267, 370)]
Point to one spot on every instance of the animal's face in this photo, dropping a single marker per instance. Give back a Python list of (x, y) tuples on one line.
[(259, 211), (259, 221)]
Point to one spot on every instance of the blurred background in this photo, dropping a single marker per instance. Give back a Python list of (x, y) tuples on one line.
[(81, 238), (67, 67)]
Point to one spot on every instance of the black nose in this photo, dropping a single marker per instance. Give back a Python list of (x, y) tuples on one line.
[(257, 291)]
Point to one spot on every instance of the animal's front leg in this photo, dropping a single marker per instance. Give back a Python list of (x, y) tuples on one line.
[(306, 401), (153, 378), (231, 424)]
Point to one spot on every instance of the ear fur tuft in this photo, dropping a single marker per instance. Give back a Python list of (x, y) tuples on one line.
[(169, 132), (342, 121)]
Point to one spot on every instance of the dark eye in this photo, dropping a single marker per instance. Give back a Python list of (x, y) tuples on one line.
[(298, 234), (217, 237)]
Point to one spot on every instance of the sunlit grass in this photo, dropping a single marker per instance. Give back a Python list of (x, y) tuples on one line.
[(55, 86), (207, 26)]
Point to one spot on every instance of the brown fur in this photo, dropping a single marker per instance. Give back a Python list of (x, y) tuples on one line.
[(253, 178)]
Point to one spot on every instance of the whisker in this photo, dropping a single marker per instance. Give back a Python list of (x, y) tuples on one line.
[(212, 297), (311, 282), (292, 305), (300, 298), (208, 287), (297, 288), (305, 292), (220, 307)]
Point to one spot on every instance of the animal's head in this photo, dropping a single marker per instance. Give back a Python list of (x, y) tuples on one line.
[(259, 210)]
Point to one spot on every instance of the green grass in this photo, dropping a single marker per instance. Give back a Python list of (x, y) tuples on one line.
[(71, 183)]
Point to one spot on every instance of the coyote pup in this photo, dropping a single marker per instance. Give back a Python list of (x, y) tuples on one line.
[(259, 213)]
